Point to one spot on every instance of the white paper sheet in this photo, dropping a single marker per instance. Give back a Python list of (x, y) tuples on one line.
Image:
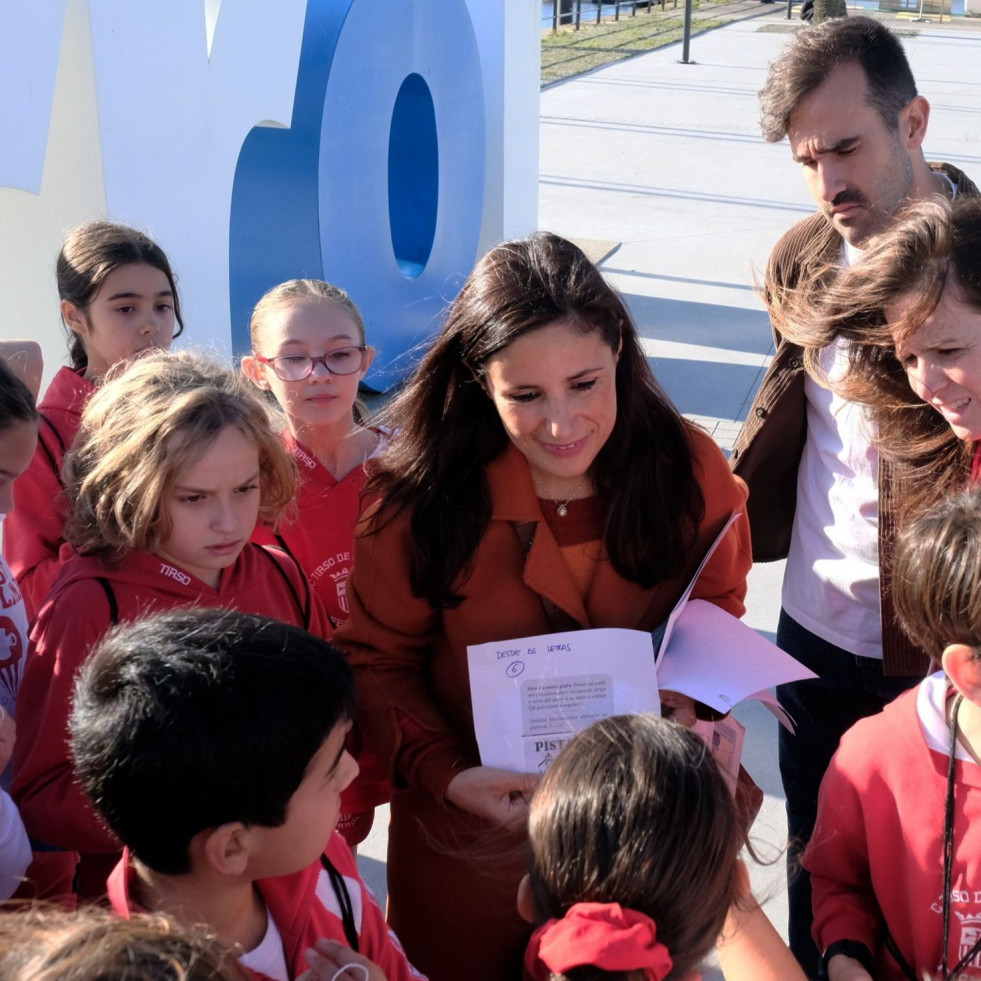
[(531, 695), (673, 616), (716, 659)]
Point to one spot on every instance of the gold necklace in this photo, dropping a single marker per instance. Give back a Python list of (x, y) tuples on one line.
[(562, 507)]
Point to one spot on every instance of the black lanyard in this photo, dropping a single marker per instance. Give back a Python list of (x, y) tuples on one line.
[(948, 869), (949, 851)]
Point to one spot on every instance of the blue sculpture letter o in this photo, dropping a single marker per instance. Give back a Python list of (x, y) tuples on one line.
[(378, 185)]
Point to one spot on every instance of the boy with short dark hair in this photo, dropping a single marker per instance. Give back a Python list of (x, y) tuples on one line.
[(212, 744), (892, 900)]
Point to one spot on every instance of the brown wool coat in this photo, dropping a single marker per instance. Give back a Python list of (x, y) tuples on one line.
[(452, 879)]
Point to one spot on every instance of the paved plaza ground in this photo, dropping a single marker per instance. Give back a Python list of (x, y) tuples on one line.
[(659, 168)]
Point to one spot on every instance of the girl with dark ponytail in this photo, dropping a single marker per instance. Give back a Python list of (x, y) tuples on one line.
[(634, 872), (118, 297)]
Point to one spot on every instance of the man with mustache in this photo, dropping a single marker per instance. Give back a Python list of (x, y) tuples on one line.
[(844, 96)]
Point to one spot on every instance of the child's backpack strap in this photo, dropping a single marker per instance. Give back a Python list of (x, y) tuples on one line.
[(111, 597), (343, 901), (305, 605), (48, 452), (284, 545)]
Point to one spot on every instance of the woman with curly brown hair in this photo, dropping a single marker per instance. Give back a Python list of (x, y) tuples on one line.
[(911, 310)]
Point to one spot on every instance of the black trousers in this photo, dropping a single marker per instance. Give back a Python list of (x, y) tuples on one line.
[(848, 688)]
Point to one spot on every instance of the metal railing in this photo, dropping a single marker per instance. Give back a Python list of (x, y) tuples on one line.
[(573, 13)]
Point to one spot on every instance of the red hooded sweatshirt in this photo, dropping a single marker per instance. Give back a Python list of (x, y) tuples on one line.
[(34, 530), (306, 906), (86, 600), (321, 539)]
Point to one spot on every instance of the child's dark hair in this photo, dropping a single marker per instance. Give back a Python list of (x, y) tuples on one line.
[(635, 811), (16, 401), (191, 719), (89, 254), (936, 578)]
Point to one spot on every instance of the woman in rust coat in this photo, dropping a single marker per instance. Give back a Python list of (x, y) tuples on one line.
[(539, 480)]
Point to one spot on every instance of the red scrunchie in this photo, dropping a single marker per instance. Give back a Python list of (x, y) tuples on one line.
[(604, 935)]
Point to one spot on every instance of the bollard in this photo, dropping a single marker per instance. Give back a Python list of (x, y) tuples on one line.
[(686, 43)]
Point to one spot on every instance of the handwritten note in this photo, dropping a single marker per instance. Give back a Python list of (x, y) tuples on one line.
[(530, 696)]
